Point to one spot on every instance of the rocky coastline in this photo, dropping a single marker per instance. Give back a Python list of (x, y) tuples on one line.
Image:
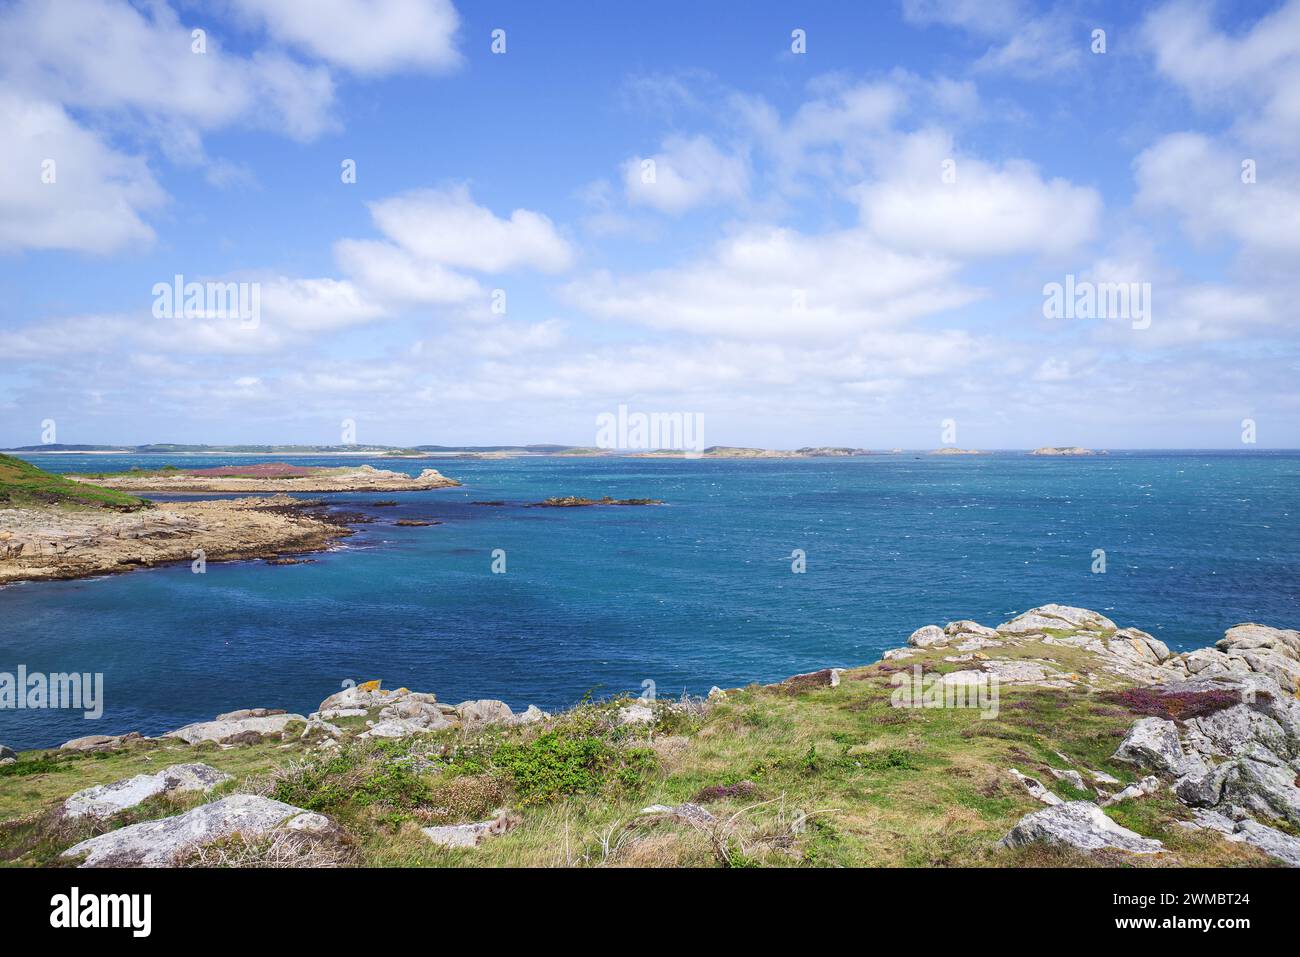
[(1108, 749), (53, 543)]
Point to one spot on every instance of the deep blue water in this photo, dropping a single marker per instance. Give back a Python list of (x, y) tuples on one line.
[(696, 593)]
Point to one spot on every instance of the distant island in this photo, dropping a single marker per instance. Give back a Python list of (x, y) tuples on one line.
[(267, 477), (1062, 450), (946, 450), (740, 452), (59, 527)]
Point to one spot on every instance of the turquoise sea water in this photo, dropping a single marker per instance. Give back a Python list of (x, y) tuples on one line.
[(695, 593)]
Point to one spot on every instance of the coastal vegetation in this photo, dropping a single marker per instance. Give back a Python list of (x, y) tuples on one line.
[(23, 485), (822, 770)]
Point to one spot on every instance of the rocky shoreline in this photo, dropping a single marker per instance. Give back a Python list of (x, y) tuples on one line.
[(1208, 741), (53, 543), (269, 477)]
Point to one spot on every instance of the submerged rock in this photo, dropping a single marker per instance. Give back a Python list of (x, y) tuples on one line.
[(157, 843), (105, 800), (1081, 825)]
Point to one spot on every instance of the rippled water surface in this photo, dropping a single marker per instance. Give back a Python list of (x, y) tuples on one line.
[(695, 593)]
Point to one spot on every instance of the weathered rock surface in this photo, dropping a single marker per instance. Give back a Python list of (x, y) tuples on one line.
[(156, 843), (1035, 787), (224, 732), (100, 742), (484, 711), (1081, 825), (1057, 618), (54, 543), (927, 636), (105, 800), (1154, 743), (470, 835)]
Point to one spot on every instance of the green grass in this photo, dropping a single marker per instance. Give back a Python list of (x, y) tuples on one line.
[(23, 485), (831, 777)]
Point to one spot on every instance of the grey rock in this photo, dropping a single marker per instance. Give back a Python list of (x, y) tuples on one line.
[(405, 727), (221, 731), (927, 636), (469, 835), (7, 753), (1035, 788), (156, 843), (99, 742), (1154, 743), (1269, 840), (1056, 618), (1148, 785), (1078, 824), (249, 713), (105, 800), (531, 715), (1263, 786), (969, 628), (1074, 777), (484, 711)]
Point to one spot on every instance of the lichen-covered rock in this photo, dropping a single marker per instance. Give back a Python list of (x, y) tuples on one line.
[(1081, 825), (484, 711), (1153, 743), (1269, 840), (927, 636), (249, 713), (1056, 618), (969, 628), (105, 800), (1148, 785), (157, 843), (405, 727), (1035, 787), (470, 835), (100, 742), (235, 731)]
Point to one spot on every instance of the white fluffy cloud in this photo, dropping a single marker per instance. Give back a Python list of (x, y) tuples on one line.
[(1022, 40), (986, 209), (110, 56), (774, 283), (97, 196), (1255, 75), (431, 234), (364, 36), (1201, 181), (687, 172)]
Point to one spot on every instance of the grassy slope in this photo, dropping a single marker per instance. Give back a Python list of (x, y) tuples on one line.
[(876, 785), (23, 484)]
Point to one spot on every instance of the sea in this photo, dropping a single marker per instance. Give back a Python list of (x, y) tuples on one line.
[(751, 571)]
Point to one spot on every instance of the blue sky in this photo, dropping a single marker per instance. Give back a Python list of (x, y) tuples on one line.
[(847, 245)]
